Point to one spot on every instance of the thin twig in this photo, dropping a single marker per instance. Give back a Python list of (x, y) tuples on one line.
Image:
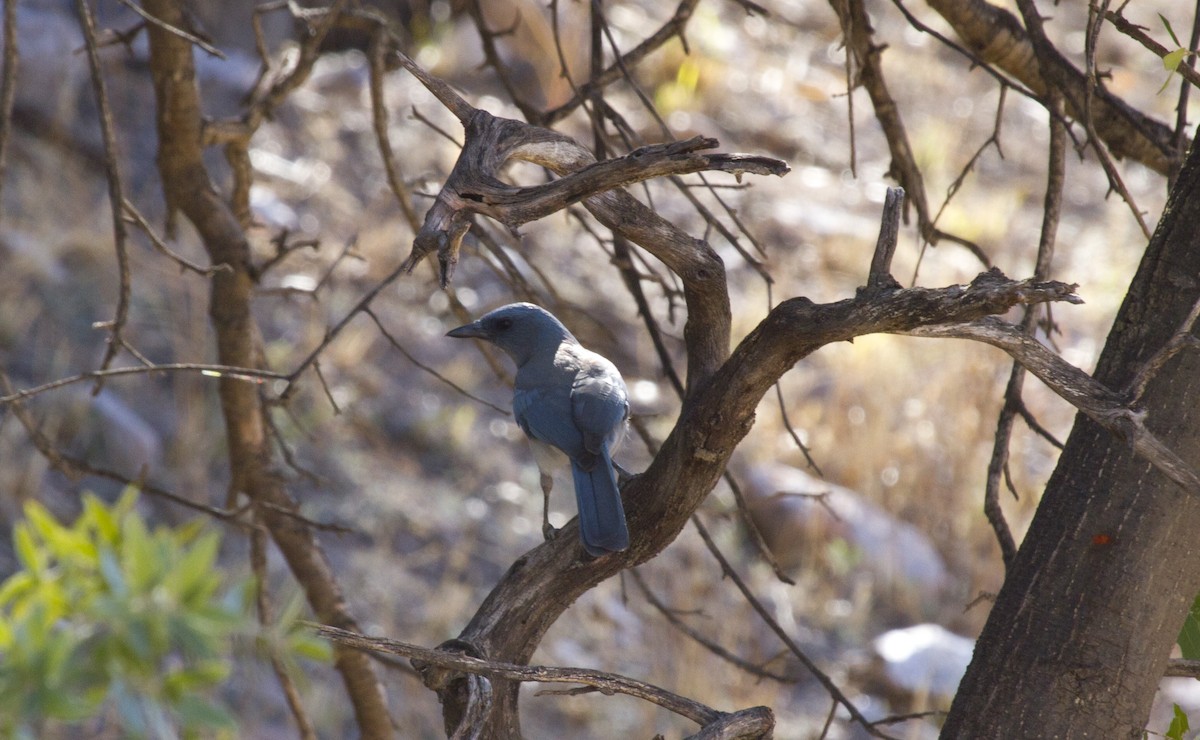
[(283, 249), (673, 28), (1182, 338), (670, 615), (1185, 89), (70, 464), (247, 374), (492, 57), (160, 244), (1013, 404), (458, 662), (190, 37), (422, 366), (262, 599), (115, 190), (791, 430), (376, 55), (1138, 34), (333, 333), (832, 688)]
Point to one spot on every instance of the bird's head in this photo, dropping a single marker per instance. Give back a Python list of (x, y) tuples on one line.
[(520, 329)]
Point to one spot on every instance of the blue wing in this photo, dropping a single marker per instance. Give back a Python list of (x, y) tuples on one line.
[(599, 407), (580, 407), (545, 414)]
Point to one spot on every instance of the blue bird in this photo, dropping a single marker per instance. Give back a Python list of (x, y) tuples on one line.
[(567, 398)]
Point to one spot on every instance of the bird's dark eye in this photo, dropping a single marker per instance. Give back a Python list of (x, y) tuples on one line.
[(503, 324)]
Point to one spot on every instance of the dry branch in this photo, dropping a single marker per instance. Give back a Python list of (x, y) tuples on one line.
[(659, 502), (189, 190), (116, 194), (1138, 34), (8, 79), (1106, 407), (440, 665), (997, 37), (474, 187), (722, 389)]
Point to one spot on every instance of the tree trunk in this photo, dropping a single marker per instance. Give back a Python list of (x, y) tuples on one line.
[(1082, 629)]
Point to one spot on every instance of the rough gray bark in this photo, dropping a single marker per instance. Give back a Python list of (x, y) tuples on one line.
[(1081, 631)]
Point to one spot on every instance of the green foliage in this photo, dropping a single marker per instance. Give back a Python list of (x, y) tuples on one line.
[(1189, 636), (1179, 725), (107, 616)]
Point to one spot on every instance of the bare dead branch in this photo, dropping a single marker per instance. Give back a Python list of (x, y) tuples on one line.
[(764, 614), (116, 193), (1102, 405), (473, 187), (1138, 34), (435, 663), (262, 600), (670, 615), (244, 374), (445, 94), (997, 37), (189, 190), (8, 79), (492, 141), (880, 274), (379, 119)]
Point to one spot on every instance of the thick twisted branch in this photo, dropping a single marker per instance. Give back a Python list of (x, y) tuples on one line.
[(512, 620)]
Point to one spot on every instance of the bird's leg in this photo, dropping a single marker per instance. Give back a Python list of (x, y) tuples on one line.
[(548, 531)]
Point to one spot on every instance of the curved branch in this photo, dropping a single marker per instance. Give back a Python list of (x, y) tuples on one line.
[(434, 665), (512, 620)]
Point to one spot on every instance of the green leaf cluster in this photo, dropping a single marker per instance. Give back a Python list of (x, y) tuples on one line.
[(108, 618)]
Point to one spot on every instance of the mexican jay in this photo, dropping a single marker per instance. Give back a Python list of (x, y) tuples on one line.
[(569, 398)]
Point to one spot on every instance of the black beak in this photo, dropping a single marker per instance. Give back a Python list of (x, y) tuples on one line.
[(468, 331)]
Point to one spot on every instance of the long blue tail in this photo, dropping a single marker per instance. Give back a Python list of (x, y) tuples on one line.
[(601, 516)]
